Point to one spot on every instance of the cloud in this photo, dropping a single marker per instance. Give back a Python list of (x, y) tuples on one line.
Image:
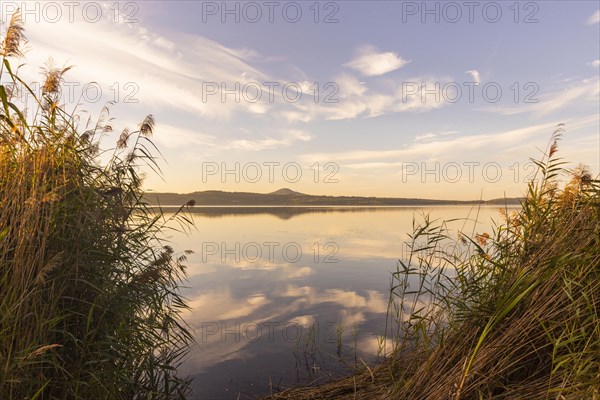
[(172, 137), (296, 134), (370, 62), (474, 74), (586, 90), (595, 63), (454, 148), (163, 67), (424, 137), (354, 99), (289, 137), (502, 143), (594, 19), (583, 92), (350, 86)]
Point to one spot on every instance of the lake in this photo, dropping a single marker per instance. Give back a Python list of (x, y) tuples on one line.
[(285, 296)]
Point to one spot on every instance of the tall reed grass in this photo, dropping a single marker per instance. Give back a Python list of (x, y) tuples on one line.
[(89, 302), (514, 314)]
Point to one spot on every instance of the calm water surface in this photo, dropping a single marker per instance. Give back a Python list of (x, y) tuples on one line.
[(272, 290)]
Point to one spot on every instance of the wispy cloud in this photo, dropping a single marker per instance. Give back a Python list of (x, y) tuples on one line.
[(453, 148), (163, 68), (356, 100), (475, 75), (165, 71), (171, 136), (428, 136), (582, 92), (594, 19), (371, 62), (289, 138)]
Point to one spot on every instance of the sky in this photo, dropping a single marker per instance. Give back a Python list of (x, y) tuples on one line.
[(372, 98)]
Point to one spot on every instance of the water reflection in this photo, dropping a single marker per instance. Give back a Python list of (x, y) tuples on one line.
[(278, 300), (287, 212)]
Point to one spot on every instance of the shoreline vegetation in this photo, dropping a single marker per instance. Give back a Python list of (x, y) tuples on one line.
[(515, 317), (89, 288)]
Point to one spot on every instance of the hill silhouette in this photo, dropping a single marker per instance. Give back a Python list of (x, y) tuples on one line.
[(288, 197), (287, 192)]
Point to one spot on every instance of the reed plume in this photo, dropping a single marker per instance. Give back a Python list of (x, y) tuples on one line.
[(14, 37)]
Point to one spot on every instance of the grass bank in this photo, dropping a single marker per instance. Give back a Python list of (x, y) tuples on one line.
[(514, 317), (89, 307)]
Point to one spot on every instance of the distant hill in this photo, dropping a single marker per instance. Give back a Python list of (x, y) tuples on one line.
[(288, 197), (286, 192)]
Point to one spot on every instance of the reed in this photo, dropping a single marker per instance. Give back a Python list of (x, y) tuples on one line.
[(89, 301)]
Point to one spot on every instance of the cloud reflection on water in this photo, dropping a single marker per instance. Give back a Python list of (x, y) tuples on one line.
[(253, 318)]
